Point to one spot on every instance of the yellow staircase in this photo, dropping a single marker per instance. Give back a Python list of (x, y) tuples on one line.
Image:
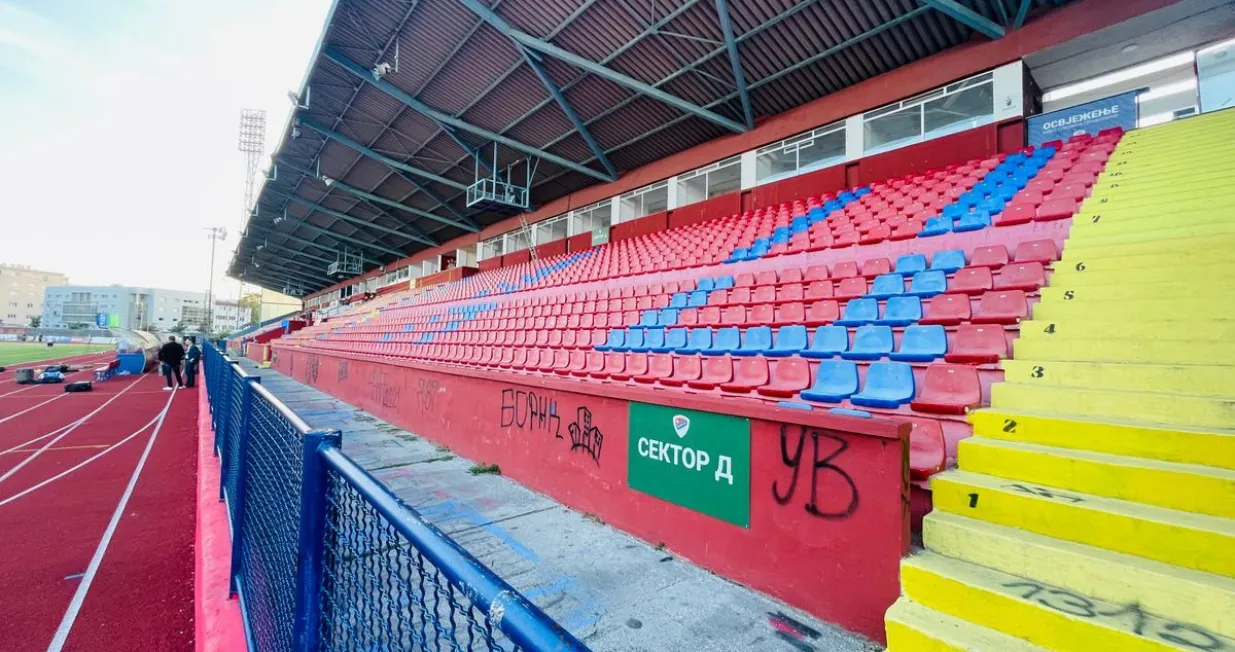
[(1094, 508)]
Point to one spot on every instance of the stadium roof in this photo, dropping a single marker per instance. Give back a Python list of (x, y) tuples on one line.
[(400, 95)]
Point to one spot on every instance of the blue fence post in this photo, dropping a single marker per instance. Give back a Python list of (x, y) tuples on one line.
[(313, 489), (229, 375), (246, 408)]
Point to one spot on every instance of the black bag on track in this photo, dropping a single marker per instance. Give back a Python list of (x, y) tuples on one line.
[(80, 386), (64, 368)]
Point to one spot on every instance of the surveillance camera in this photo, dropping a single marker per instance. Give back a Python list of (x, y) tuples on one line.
[(382, 69)]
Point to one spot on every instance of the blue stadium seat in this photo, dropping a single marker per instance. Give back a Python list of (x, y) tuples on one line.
[(738, 255), (928, 284), (678, 300), (757, 339), (922, 344), (706, 285), (948, 260), (888, 385), (649, 318), (634, 341), (668, 316), (617, 339), (790, 340), (974, 221), (829, 341), (835, 381), (724, 282), (698, 299), (870, 343), (936, 226), (675, 339), (727, 340), (697, 341), (653, 339), (859, 311), (910, 264), (886, 285), (901, 311)]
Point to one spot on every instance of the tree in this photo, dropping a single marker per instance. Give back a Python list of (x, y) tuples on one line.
[(36, 321), (254, 303), (179, 328)]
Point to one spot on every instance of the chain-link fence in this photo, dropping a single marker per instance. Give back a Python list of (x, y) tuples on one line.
[(324, 557)]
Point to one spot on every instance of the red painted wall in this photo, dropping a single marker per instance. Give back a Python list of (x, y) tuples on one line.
[(555, 248), (812, 183), (490, 263), (521, 256), (1057, 26), (843, 567), (642, 226), (721, 206), (579, 242)]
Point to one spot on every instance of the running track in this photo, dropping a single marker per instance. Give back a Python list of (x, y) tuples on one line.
[(97, 495)]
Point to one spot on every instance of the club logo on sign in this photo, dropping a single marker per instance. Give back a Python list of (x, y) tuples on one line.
[(681, 425)]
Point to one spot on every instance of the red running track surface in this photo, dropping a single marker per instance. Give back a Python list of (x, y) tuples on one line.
[(88, 361), (60, 494)]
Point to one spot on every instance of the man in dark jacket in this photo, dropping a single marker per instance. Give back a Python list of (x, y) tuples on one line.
[(192, 358), (171, 355)]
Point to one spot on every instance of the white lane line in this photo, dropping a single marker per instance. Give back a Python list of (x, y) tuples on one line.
[(79, 464), (79, 597), (42, 437), (67, 432), (18, 391), (31, 409), (91, 358)]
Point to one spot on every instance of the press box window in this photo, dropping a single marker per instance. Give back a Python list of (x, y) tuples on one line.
[(644, 201), (711, 181), (813, 150)]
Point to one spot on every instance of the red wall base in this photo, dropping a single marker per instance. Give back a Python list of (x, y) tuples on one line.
[(828, 495)]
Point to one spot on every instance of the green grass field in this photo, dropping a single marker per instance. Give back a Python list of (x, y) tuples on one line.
[(14, 353)]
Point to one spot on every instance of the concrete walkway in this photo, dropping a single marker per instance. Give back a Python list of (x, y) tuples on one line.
[(613, 591)]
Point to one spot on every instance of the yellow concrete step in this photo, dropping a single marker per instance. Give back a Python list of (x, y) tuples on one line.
[(1116, 347), (1186, 309), (914, 628), (1211, 447), (1186, 487), (1163, 283), (1099, 224), (1169, 164), (1208, 247), (1166, 233), (1152, 407), (1195, 380), (1187, 274), (1195, 541), (1202, 599), (1099, 328), (1042, 614), (1114, 186)]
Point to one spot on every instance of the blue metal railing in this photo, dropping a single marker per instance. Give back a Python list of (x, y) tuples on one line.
[(324, 557)]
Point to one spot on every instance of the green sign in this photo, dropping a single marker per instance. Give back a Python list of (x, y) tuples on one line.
[(698, 460)]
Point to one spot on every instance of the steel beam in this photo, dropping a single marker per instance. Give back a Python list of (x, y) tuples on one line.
[(468, 226), (735, 61), (285, 271), (1021, 13), (966, 16), (268, 246), (533, 60), (443, 118), (338, 236), (414, 234), (334, 135), (614, 76), (268, 231)]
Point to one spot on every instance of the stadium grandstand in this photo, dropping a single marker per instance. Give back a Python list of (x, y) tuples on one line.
[(907, 318)]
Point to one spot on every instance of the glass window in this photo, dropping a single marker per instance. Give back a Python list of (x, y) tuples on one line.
[(893, 129), (644, 201), (958, 111), (492, 248), (708, 182), (809, 151), (550, 230)]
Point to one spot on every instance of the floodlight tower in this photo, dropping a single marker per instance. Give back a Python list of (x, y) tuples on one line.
[(215, 233), (252, 143)]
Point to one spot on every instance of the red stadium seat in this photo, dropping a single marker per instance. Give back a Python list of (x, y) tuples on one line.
[(946, 309), (1021, 276), (816, 273), (1008, 307), (978, 344), (876, 266), (659, 367), (949, 389), (851, 288), (790, 376), (971, 280), (1037, 251), (818, 290), (685, 369), (717, 371), (615, 363), (822, 313), (788, 314), (578, 358), (636, 365), (749, 374), (595, 363), (1056, 209), (992, 256)]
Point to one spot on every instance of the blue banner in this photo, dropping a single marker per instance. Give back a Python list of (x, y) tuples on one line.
[(100, 319), (1088, 118)]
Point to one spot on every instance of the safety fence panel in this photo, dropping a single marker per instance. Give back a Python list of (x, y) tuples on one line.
[(324, 557)]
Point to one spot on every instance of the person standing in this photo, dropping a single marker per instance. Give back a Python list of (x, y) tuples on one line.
[(171, 355), (192, 359)]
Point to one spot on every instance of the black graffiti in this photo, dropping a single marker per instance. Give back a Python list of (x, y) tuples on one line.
[(526, 410), (342, 371), (584, 436), (381, 392), (426, 393), (820, 465), (1130, 616), (793, 631), (1043, 492), (315, 366)]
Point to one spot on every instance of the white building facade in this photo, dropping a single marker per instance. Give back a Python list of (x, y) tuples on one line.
[(135, 308)]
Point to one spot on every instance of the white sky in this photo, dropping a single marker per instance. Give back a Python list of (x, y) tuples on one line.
[(118, 130)]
